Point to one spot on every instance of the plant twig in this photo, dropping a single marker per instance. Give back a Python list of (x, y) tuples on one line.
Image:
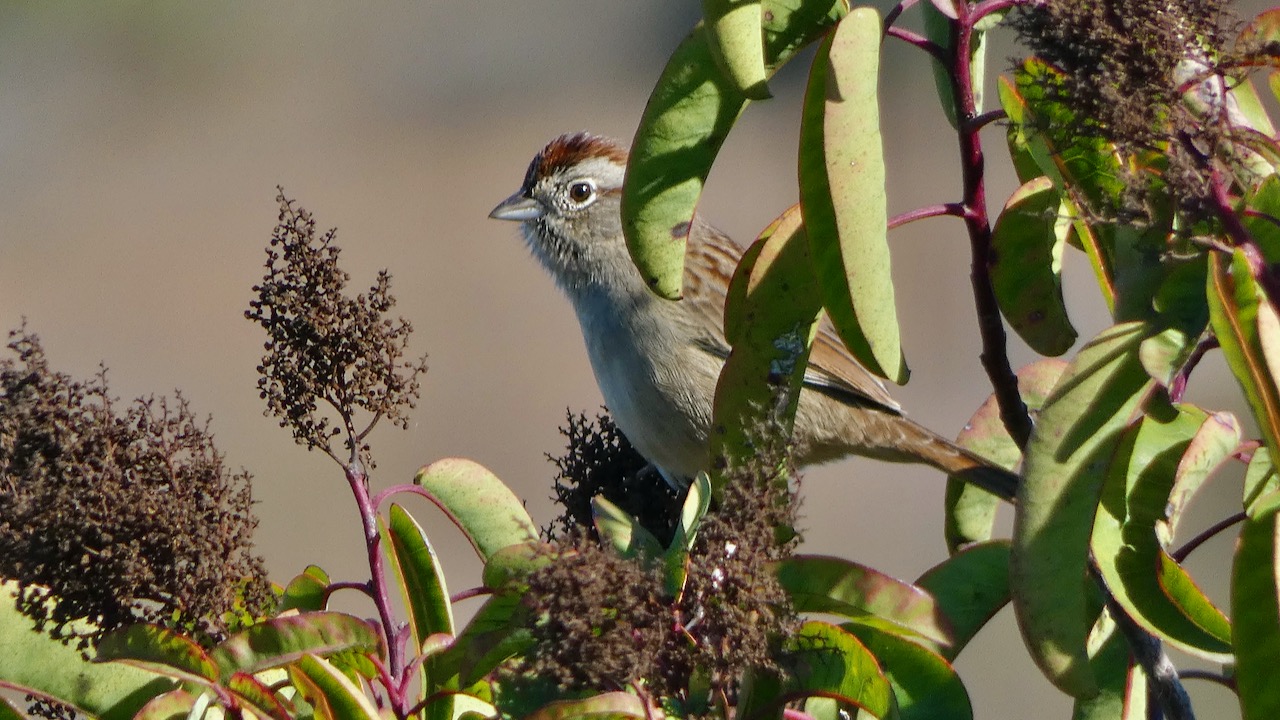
[(953, 209), (1181, 553)]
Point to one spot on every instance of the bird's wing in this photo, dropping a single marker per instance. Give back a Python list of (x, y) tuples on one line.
[(710, 262)]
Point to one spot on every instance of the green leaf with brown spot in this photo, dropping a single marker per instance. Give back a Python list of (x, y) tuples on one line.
[(842, 192)]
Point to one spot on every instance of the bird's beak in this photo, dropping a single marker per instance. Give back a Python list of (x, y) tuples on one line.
[(519, 207)]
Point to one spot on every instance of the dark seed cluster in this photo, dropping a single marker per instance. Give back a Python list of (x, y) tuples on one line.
[(111, 516), (1127, 67), (601, 621), (599, 461), (325, 348)]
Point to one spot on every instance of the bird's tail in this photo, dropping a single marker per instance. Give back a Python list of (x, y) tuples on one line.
[(933, 449)]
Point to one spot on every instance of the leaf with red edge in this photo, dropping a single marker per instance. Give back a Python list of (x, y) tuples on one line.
[(250, 691), (969, 588), (280, 641), (970, 510), (1242, 319), (332, 695), (837, 586), (421, 578), (1122, 692), (924, 683), (160, 650), (606, 706), (175, 705), (481, 505)]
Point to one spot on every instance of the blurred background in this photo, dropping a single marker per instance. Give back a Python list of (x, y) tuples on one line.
[(140, 148)]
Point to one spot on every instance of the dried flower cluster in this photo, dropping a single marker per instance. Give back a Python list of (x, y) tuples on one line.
[(324, 347), (599, 461), (601, 621), (1126, 69), (108, 518)]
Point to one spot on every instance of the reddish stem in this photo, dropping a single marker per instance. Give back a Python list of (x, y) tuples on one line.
[(954, 209)]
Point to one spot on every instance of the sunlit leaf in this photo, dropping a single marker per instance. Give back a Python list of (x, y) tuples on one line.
[(1262, 218), (1065, 463), (307, 591), (842, 192), (971, 510), (1238, 310), (333, 695), (280, 641), (688, 116), (175, 705), (1214, 442), (607, 706), (481, 505), (249, 690), (33, 661), (737, 44), (969, 588), (1255, 609), (159, 650), (1026, 274), (514, 563), (761, 380), (1125, 543), (1122, 691), (422, 580), (938, 19), (622, 531), (676, 559), (924, 684), (494, 634), (826, 661), (837, 586), (1260, 479)]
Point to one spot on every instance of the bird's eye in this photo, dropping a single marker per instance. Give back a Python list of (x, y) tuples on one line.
[(582, 191)]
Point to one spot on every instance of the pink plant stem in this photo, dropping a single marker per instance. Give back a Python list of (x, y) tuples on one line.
[(954, 209), (358, 481)]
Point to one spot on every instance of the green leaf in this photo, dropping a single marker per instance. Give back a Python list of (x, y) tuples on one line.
[(837, 586), (1122, 688), (280, 641), (1026, 274), (606, 706), (1260, 479), (421, 579), (514, 563), (485, 509), (821, 660), (676, 559), (32, 661), (969, 588), (1213, 444), (938, 28), (1263, 219), (9, 711), (307, 591), (1125, 544), (495, 633), (1255, 608), (925, 685), (736, 42), (688, 116), (174, 705), (1066, 460), (333, 695), (1244, 320), (623, 532), (842, 192), (970, 510), (250, 691), (159, 650), (771, 316)]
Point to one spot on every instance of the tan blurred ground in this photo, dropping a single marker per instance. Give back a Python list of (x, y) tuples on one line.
[(140, 147)]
